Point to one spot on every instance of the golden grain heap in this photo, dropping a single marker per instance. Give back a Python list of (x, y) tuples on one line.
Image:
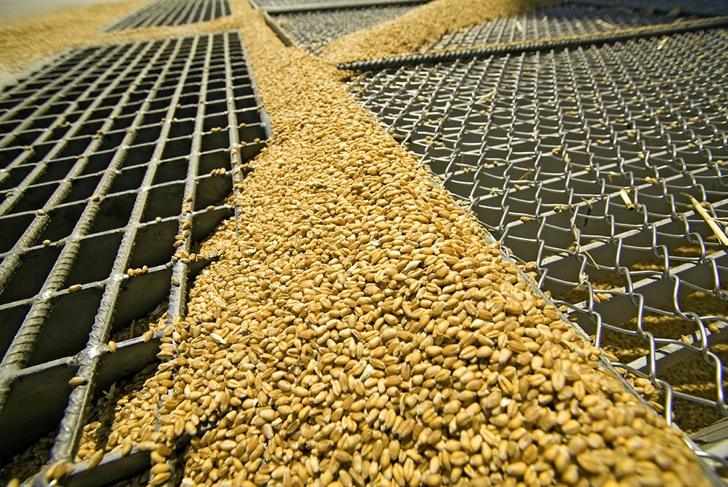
[(358, 330), (420, 27), (31, 39)]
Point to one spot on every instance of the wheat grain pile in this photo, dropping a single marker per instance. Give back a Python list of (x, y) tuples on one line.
[(357, 329)]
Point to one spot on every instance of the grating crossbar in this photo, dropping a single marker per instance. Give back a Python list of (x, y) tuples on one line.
[(173, 12), (115, 162), (590, 163)]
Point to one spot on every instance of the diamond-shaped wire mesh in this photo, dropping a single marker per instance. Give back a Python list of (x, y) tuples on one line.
[(313, 30), (114, 164), (172, 12), (588, 162), (673, 7), (290, 6), (546, 23)]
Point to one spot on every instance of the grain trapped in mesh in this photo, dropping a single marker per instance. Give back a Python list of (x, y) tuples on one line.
[(559, 381), (588, 161)]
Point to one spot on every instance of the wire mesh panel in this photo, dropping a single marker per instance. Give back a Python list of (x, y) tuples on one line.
[(673, 7), (606, 167), (289, 6), (114, 163), (173, 12), (313, 30), (560, 21)]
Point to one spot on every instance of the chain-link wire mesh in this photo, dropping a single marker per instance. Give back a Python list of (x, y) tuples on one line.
[(313, 30), (172, 12), (547, 23), (290, 6), (672, 7), (605, 167)]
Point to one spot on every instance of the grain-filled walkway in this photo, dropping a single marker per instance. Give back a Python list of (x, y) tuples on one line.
[(358, 329)]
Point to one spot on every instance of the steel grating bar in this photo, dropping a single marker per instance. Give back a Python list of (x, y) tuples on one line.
[(30, 329), (205, 11), (312, 30), (237, 160), (241, 151), (34, 95), (162, 16), (179, 269), (81, 397), (52, 124), (215, 10), (10, 263), (11, 85), (209, 10), (225, 9), (178, 15), (156, 17), (156, 124), (172, 12), (11, 199), (184, 13), (579, 159)]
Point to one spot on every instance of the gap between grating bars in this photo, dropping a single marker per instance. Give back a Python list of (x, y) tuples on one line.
[(172, 12), (588, 162), (114, 164)]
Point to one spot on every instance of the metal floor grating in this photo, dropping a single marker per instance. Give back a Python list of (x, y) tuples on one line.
[(547, 23), (675, 7), (291, 6), (115, 162), (313, 30), (580, 161), (172, 12)]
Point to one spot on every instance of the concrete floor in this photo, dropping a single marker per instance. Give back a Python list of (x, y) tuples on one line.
[(12, 10)]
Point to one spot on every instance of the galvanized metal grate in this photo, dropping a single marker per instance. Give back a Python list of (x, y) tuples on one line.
[(291, 6), (546, 23), (313, 30), (585, 161), (673, 7), (172, 12), (114, 163)]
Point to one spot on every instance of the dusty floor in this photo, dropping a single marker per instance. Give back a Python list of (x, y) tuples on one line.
[(15, 10), (31, 39)]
